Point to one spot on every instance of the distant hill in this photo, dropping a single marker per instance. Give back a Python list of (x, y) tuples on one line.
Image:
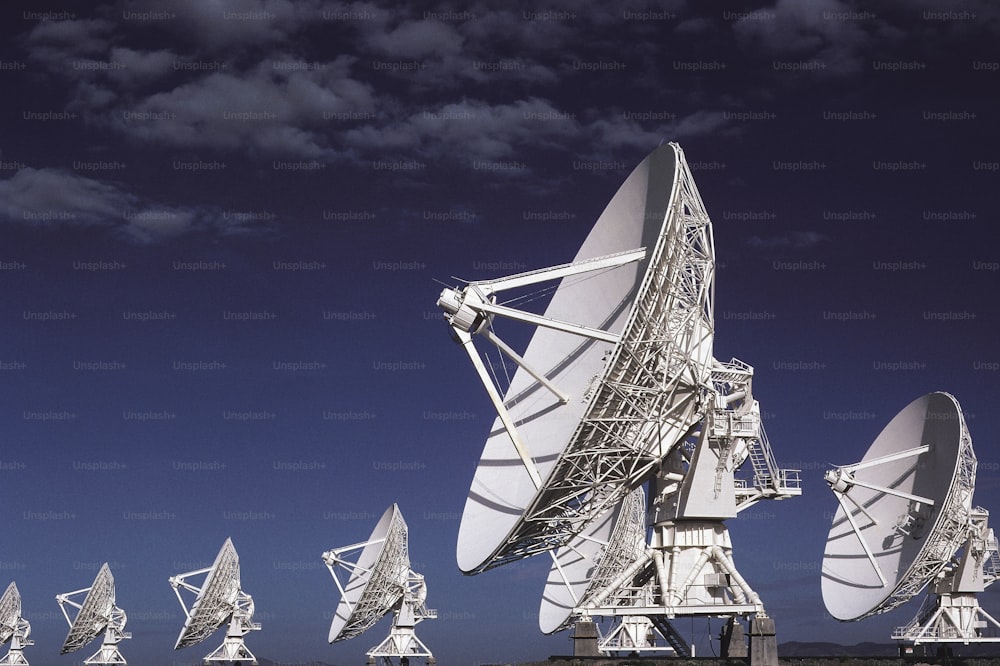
[(801, 649), (793, 649), (267, 662)]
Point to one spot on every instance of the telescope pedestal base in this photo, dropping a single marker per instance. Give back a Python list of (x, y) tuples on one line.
[(732, 640), (585, 639), (763, 642)]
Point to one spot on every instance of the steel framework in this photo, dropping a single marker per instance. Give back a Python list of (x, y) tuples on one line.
[(688, 569), (951, 612)]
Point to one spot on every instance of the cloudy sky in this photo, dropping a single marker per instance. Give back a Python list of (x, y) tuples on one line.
[(224, 225)]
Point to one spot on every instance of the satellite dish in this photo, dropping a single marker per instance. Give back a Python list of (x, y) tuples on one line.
[(905, 513), (903, 510), (618, 388), (14, 629), (578, 427), (219, 600), (589, 565), (379, 581), (98, 613), (592, 560)]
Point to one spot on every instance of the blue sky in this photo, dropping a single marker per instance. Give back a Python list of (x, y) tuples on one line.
[(223, 229)]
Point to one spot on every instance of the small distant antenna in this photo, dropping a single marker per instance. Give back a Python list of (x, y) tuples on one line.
[(220, 600), (380, 580), (97, 613), (13, 628)]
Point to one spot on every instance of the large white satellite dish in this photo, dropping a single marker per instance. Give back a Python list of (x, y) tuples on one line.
[(13, 628), (97, 613), (618, 387), (380, 581), (612, 378), (905, 512), (220, 600)]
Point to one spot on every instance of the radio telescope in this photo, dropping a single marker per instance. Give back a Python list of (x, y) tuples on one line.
[(97, 613), (13, 628), (618, 388), (905, 513), (220, 600), (380, 580)]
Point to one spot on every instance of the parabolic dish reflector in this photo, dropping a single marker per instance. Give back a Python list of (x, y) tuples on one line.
[(10, 612), (630, 402), (378, 580), (217, 600), (94, 613), (910, 499), (593, 560)]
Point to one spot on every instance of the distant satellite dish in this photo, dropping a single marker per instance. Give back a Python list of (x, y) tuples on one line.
[(219, 600), (904, 510), (612, 378), (906, 520), (98, 613), (10, 612), (381, 581), (592, 560), (14, 629)]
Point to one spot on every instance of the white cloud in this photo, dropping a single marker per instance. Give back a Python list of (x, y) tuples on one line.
[(418, 39), (793, 28), (470, 130), (55, 197), (611, 133), (271, 108), (795, 240)]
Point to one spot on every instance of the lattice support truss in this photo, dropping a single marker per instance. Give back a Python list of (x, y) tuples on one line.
[(635, 633), (20, 639), (233, 649), (950, 619), (736, 425), (113, 635), (951, 612), (402, 641), (671, 582)]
